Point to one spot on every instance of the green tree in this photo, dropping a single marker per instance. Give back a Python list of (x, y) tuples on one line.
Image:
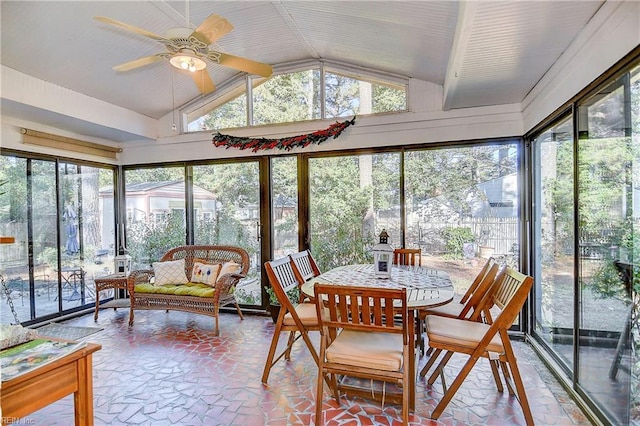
[(284, 177), (338, 205), (154, 174), (236, 188), (148, 240), (13, 191), (386, 98), (386, 180), (454, 174), (341, 95), (287, 98), (228, 115)]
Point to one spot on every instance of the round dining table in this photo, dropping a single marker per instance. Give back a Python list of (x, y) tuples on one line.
[(426, 288)]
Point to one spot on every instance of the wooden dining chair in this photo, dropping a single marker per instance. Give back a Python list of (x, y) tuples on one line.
[(295, 318), (360, 338), (305, 264), (406, 256), (470, 310), (462, 308), (488, 340), (305, 268)]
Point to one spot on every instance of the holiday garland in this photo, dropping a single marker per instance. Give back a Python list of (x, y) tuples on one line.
[(300, 141)]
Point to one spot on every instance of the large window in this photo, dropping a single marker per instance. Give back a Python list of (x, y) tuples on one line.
[(351, 199), (608, 160), (288, 97), (221, 202), (462, 206), (347, 95)]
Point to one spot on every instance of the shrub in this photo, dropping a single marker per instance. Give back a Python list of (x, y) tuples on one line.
[(455, 238)]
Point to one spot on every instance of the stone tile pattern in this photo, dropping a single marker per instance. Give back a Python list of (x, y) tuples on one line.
[(170, 369)]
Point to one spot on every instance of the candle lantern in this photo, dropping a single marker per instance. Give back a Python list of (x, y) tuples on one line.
[(122, 262), (383, 257)]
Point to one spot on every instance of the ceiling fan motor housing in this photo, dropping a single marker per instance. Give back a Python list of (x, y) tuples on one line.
[(182, 40)]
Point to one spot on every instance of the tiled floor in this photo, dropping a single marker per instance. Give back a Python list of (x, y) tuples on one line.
[(169, 369)]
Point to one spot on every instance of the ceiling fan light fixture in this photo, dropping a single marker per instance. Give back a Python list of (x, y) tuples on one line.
[(188, 63)]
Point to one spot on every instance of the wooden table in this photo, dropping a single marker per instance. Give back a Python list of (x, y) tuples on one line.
[(117, 282), (426, 288), (38, 388)]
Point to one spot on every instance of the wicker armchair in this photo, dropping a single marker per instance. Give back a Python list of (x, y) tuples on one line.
[(210, 306)]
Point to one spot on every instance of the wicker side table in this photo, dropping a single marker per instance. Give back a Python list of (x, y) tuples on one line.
[(115, 282)]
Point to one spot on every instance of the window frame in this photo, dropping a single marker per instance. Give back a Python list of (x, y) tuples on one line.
[(240, 85)]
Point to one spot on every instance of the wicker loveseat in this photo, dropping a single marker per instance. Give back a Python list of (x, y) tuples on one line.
[(198, 298)]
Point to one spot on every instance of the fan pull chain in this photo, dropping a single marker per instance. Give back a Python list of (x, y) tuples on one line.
[(173, 103)]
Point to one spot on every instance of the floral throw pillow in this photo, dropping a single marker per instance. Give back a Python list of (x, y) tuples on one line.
[(171, 272), (205, 273)]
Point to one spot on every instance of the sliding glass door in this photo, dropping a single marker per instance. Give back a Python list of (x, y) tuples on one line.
[(14, 256), (608, 161), (215, 204), (54, 211), (586, 241), (554, 238), (226, 203)]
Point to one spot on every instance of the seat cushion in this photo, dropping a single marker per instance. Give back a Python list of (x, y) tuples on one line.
[(307, 314), (451, 310), (189, 289), (458, 332), (382, 351)]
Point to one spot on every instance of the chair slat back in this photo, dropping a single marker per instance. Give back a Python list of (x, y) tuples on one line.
[(305, 265), (406, 256), (482, 289), (508, 294), (283, 279), (362, 308)]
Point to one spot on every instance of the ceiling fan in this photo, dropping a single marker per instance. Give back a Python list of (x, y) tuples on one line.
[(189, 50)]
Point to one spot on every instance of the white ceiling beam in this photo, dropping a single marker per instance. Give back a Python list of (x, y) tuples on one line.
[(466, 13), (32, 92)]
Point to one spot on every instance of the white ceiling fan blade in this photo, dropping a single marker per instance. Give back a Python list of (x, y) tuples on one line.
[(140, 62), (212, 29), (241, 64), (203, 81), (130, 28)]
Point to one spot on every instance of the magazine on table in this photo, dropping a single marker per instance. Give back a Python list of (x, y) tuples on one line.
[(31, 355)]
